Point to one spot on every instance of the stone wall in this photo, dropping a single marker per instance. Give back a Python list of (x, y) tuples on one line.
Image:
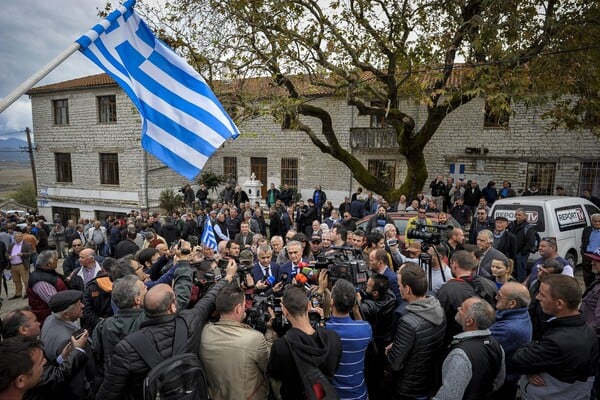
[(508, 151)]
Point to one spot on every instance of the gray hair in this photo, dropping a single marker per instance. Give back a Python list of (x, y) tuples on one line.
[(482, 314), (488, 234), (125, 290), (46, 257), (521, 298), (263, 249), (595, 217)]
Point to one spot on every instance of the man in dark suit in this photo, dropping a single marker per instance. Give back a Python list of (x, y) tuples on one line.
[(378, 263), (292, 267), (485, 241), (265, 272), (18, 255), (244, 238)]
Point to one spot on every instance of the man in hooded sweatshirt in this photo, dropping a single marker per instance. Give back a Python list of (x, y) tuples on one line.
[(419, 341), (320, 347)]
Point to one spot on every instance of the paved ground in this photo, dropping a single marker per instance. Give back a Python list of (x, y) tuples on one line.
[(11, 305)]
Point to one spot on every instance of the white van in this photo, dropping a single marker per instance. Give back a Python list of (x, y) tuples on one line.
[(559, 217)]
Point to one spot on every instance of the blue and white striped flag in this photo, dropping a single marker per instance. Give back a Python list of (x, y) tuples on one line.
[(183, 122), (208, 235)]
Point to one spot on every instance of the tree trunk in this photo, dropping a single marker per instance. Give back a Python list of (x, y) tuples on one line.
[(416, 175)]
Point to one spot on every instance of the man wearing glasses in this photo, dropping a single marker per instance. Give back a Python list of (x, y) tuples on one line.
[(480, 223), (71, 262)]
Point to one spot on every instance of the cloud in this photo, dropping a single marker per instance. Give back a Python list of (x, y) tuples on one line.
[(32, 33)]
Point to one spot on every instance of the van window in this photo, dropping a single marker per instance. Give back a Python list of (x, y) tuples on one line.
[(570, 217), (535, 214), (591, 210)]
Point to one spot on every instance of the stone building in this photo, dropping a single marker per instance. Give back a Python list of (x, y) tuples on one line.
[(89, 159)]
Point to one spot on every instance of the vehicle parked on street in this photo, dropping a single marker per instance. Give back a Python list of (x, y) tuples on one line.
[(401, 220), (559, 217)]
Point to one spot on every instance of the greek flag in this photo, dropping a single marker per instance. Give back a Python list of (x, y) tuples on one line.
[(183, 122), (208, 235)]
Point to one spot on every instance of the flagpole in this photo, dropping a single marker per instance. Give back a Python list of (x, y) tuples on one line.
[(35, 78)]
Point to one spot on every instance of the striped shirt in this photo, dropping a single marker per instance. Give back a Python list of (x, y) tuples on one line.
[(349, 379)]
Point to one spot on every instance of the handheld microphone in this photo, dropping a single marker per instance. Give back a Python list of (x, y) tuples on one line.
[(309, 273), (301, 278), (270, 280)]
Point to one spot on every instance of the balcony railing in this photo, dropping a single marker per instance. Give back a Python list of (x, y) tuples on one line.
[(372, 138)]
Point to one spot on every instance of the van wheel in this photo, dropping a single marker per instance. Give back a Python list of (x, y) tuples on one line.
[(572, 259)]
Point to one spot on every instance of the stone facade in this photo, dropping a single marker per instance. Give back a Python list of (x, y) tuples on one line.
[(85, 138), (505, 153)]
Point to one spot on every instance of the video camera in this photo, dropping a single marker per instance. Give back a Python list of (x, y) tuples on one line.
[(346, 264), (424, 232), (258, 315)]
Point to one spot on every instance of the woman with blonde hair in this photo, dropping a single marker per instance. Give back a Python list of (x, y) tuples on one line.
[(502, 271)]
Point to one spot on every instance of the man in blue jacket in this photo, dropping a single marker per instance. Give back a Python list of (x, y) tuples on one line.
[(512, 329)]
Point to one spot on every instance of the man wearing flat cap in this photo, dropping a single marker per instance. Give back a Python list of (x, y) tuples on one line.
[(504, 241), (66, 308)]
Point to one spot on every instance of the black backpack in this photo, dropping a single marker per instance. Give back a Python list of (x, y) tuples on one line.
[(536, 243), (179, 377), (315, 383)]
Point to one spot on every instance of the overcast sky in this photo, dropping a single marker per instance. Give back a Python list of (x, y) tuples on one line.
[(33, 32)]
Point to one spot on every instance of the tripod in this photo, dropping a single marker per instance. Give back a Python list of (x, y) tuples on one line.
[(425, 262)]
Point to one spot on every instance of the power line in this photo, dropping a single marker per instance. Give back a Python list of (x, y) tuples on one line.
[(11, 133)]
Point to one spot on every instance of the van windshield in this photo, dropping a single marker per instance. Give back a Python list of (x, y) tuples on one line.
[(535, 214)]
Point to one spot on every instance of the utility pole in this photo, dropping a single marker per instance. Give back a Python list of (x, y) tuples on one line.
[(30, 151)]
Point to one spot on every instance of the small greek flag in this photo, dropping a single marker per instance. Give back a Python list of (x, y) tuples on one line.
[(208, 235), (183, 122)]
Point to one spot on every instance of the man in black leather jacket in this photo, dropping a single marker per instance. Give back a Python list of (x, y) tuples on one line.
[(562, 364), (419, 340), (377, 308)]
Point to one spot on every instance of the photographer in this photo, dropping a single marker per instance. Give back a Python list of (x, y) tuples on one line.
[(318, 347), (233, 354), (377, 305), (418, 222), (349, 379)]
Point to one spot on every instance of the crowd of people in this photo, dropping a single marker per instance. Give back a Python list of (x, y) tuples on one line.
[(282, 296)]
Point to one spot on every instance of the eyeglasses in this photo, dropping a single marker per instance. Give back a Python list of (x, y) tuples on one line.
[(480, 213), (551, 240)]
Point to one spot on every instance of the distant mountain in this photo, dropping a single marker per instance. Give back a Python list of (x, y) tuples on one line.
[(11, 150)]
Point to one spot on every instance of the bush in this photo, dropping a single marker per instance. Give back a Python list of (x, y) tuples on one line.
[(25, 195), (169, 200), (211, 179)]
